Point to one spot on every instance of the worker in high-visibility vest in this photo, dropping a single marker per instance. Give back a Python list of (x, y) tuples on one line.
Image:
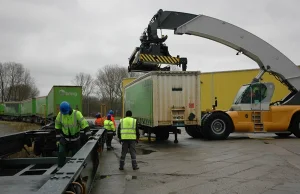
[(128, 135), (68, 124), (111, 113), (111, 131)]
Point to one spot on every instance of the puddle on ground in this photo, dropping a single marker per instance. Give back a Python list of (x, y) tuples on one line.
[(99, 177), (141, 151)]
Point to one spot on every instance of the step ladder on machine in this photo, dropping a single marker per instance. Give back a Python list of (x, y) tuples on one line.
[(256, 118)]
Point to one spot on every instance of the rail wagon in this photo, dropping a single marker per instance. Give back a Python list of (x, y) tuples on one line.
[(28, 110), (12, 110)]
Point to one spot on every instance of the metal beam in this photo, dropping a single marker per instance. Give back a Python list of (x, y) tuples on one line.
[(85, 163)]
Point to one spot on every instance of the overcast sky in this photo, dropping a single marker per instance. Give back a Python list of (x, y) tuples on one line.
[(55, 39)]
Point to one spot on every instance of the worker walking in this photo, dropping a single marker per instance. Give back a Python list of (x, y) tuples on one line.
[(111, 131), (68, 123), (99, 120), (128, 135)]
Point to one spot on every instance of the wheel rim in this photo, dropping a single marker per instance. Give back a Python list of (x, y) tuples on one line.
[(218, 126)]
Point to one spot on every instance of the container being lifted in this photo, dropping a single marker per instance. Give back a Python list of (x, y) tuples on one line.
[(162, 101)]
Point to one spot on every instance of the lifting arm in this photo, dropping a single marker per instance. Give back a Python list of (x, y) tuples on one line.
[(266, 56)]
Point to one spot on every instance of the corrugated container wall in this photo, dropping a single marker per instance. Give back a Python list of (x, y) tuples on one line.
[(41, 106), (12, 108), (175, 91), (28, 107), (125, 82), (225, 85), (58, 94)]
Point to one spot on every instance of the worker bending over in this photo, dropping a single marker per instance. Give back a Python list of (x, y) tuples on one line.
[(99, 120), (128, 135), (111, 131), (68, 123)]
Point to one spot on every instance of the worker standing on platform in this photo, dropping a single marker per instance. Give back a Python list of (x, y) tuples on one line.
[(111, 113), (99, 120), (128, 135), (68, 123), (111, 131)]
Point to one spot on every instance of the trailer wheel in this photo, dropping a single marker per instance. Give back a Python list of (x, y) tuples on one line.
[(295, 125), (217, 126), (162, 134), (194, 131), (283, 135)]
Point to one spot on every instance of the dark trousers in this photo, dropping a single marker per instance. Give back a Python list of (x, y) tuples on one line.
[(128, 146), (64, 149), (108, 140)]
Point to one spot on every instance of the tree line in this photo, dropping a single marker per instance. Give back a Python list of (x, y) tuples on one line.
[(16, 83)]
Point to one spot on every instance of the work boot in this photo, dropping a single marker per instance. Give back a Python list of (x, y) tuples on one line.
[(135, 166), (121, 165)]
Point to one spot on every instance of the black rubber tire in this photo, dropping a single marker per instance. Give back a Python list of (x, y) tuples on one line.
[(294, 128), (194, 131), (203, 120), (220, 120), (284, 135), (162, 134)]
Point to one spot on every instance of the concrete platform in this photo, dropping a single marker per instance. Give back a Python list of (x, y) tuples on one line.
[(243, 164)]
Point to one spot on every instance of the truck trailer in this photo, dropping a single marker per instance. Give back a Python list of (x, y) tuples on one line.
[(162, 101)]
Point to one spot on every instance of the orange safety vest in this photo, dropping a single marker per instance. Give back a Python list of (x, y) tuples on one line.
[(99, 122)]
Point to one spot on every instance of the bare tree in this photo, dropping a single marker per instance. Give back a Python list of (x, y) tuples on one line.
[(108, 82), (88, 84), (16, 82), (86, 81)]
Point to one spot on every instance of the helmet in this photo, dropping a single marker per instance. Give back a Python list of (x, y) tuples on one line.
[(98, 115), (108, 117), (111, 112), (64, 108)]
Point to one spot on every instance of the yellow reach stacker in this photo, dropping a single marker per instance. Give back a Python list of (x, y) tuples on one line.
[(252, 110)]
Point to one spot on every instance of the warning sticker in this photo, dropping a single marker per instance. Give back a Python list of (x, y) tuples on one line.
[(191, 105)]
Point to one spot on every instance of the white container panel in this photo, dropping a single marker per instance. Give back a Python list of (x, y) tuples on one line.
[(176, 90)]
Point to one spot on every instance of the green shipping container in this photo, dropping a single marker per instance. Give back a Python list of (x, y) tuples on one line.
[(58, 94), (2, 108), (41, 106), (12, 108), (28, 107)]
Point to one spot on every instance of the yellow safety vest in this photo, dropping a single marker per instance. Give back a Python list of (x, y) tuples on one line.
[(109, 126), (71, 125), (128, 126)]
